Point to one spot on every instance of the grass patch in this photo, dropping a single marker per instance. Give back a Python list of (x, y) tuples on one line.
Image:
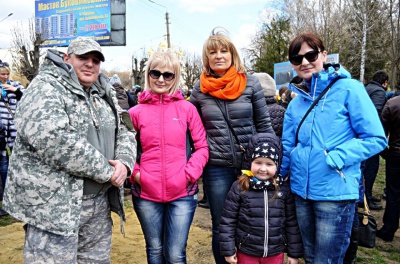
[(383, 253)]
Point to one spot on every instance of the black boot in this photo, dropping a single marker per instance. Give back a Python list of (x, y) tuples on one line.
[(351, 253)]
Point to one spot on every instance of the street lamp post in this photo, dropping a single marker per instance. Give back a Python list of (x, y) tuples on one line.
[(6, 17), (167, 22)]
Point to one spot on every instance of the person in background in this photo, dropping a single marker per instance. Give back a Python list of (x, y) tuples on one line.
[(276, 111), (135, 94), (323, 155), (258, 222), (391, 123), (376, 90), (73, 151), (282, 96), (164, 181), (122, 95), (232, 107), (11, 93)]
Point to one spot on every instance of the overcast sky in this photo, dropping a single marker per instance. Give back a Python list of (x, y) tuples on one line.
[(191, 22)]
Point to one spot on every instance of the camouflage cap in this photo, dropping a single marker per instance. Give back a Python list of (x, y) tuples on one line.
[(83, 45)]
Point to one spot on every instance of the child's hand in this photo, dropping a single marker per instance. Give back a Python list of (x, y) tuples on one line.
[(231, 259), (292, 260), (9, 87)]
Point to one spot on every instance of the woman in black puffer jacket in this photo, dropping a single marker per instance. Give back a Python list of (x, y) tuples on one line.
[(226, 96), (259, 222)]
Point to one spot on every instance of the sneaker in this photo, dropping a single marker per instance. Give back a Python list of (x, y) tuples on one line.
[(383, 236), (3, 213)]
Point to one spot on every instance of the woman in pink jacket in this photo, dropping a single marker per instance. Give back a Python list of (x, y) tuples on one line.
[(164, 189)]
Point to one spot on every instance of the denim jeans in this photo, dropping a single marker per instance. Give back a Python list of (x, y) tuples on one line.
[(3, 174), (325, 228), (166, 228), (217, 183)]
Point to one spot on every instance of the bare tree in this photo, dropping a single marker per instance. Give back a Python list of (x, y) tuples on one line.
[(26, 50), (394, 41), (191, 70), (138, 68)]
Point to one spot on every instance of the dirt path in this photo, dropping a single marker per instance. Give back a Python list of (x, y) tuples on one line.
[(128, 249), (131, 249)]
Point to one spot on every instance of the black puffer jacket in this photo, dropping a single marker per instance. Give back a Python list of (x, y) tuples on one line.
[(248, 115), (276, 114), (377, 94), (256, 224)]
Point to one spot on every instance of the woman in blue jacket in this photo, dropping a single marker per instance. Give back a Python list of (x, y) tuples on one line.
[(342, 130)]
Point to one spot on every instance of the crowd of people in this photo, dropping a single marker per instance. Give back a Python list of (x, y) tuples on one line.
[(281, 170)]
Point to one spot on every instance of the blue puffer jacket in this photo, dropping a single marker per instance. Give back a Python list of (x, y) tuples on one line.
[(342, 130)]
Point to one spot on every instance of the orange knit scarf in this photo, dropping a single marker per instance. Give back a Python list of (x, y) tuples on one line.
[(228, 87)]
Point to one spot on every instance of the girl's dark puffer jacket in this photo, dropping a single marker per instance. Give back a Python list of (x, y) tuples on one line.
[(247, 214), (248, 115)]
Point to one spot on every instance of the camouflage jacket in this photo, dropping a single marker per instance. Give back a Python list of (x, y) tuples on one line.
[(52, 154)]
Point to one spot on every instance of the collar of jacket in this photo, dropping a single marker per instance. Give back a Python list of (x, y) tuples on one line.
[(55, 65), (319, 81), (148, 97)]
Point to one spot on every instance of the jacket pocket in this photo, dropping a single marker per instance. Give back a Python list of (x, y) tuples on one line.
[(41, 187), (242, 240)]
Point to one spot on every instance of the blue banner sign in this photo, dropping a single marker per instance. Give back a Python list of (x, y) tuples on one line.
[(61, 21), (284, 72)]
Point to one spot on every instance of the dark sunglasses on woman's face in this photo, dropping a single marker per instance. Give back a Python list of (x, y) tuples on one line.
[(155, 74), (311, 56)]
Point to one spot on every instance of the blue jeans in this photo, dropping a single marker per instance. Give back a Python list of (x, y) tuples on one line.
[(166, 228), (325, 228), (217, 183), (3, 174)]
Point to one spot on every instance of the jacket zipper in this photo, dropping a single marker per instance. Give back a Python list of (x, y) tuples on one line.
[(231, 139), (163, 182), (266, 233)]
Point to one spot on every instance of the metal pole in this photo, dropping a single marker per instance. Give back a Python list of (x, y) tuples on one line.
[(167, 22), (6, 17)]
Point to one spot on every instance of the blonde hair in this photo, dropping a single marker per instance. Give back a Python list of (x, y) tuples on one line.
[(5, 68), (164, 59), (219, 40)]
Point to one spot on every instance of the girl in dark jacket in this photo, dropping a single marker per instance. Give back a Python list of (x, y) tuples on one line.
[(258, 223)]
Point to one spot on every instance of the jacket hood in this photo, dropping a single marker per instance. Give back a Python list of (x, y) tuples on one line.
[(319, 81), (259, 139), (148, 97)]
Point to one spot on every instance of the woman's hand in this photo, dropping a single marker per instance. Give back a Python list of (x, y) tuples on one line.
[(231, 259), (292, 260), (137, 178)]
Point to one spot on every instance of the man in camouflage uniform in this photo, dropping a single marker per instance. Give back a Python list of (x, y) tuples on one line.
[(74, 149)]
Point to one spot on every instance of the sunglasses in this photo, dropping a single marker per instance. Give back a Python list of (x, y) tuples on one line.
[(155, 74), (4, 64), (311, 56)]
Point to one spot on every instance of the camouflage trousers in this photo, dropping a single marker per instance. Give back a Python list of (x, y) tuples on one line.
[(92, 244)]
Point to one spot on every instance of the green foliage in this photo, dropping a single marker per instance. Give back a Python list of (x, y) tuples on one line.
[(270, 46)]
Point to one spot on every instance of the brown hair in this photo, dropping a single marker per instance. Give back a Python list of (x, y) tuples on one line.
[(218, 40), (310, 38)]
